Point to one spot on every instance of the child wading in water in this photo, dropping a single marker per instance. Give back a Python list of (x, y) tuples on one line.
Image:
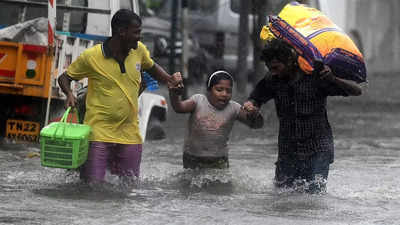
[(210, 123)]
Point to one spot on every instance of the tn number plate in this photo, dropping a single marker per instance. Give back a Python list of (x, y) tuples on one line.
[(22, 130)]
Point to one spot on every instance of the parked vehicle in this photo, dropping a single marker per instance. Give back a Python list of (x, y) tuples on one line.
[(214, 25), (156, 35), (29, 91)]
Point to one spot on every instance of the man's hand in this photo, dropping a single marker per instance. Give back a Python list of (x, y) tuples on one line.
[(350, 87), (65, 83), (70, 101), (327, 74), (253, 115)]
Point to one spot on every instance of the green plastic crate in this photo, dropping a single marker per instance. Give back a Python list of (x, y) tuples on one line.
[(64, 144)]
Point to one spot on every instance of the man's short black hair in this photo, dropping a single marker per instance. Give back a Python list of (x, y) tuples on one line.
[(278, 49), (123, 18)]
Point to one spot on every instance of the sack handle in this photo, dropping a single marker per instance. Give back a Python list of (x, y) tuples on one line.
[(64, 120)]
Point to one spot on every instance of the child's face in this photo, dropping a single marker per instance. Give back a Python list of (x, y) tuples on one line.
[(220, 94)]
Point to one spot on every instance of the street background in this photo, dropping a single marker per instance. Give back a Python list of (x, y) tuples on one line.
[(363, 183)]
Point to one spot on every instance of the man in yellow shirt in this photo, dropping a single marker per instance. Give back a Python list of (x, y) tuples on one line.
[(113, 71)]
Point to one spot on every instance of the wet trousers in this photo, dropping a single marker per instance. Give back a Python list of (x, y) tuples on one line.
[(120, 159), (312, 171)]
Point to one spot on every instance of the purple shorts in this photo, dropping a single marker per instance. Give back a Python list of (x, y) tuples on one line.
[(120, 159)]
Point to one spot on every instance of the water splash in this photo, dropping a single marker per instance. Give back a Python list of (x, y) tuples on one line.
[(316, 186)]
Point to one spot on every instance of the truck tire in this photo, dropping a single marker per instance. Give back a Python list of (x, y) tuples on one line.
[(155, 130)]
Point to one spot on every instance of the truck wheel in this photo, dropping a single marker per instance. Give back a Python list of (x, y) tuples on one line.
[(155, 130)]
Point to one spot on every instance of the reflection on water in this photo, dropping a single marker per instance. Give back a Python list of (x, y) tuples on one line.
[(363, 184)]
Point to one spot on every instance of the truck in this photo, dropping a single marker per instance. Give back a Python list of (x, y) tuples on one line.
[(38, 40)]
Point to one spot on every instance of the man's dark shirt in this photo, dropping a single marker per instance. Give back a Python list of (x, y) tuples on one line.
[(301, 108)]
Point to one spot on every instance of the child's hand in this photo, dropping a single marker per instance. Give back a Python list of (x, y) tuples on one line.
[(176, 81), (254, 118), (252, 111), (250, 107), (176, 84)]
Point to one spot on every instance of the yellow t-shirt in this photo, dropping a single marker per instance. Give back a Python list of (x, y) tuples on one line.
[(112, 97)]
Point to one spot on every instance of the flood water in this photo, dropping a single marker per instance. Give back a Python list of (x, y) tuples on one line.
[(363, 184)]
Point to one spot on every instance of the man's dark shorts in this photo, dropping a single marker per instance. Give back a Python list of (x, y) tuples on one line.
[(195, 162)]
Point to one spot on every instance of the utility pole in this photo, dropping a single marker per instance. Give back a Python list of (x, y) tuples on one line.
[(243, 49), (261, 12), (185, 47), (174, 15)]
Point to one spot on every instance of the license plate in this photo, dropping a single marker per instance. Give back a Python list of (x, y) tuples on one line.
[(22, 130)]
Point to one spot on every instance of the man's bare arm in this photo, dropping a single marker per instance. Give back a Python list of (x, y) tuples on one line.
[(350, 87), (158, 73), (65, 84)]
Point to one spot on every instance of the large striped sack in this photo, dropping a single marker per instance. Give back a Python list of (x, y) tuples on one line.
[(316, 38)]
